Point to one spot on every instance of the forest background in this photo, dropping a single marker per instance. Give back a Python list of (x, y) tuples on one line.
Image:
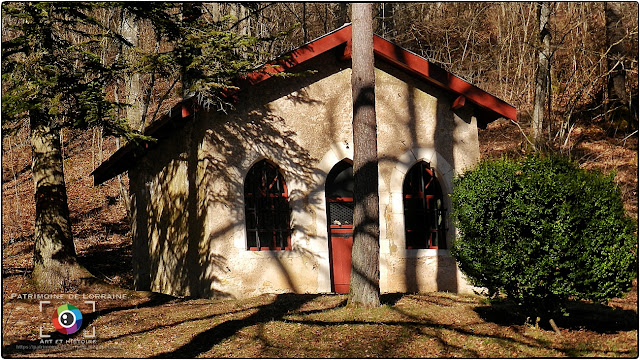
[(492, 45), (589, 114)]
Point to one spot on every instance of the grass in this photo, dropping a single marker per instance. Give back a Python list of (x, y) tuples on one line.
[(320, 326)]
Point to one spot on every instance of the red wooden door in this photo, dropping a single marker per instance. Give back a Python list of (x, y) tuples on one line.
[(339, 193), (341, 243)]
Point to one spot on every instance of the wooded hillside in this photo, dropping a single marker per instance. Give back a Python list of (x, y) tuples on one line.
[(591, 111)]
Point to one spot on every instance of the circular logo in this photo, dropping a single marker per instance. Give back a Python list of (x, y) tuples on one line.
[(67, 319)]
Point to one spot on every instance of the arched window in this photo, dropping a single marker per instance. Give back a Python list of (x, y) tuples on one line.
[(267, 208), (424, 213)]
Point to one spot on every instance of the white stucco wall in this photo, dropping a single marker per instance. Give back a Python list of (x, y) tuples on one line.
[(304, 126)]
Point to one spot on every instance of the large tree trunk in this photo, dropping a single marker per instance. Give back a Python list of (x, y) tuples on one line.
[(365, 258), (132, 91), (616, 106), (542, 74), (55, 265)]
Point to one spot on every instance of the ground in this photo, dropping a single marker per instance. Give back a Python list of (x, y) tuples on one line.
[(141, 324), (288, 325)]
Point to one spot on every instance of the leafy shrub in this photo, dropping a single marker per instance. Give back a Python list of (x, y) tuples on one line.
[(542, 231)]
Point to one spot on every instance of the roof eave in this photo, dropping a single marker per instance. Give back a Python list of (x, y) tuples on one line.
[(434, 74), (121, 160)]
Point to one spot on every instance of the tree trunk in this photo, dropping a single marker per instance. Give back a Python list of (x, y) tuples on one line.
[(341, 15), (191, 11), (387, 23), (55, 265), (304, 23), (365, 258), (130, 30), (616, 106), (542, 74), (132, 89)]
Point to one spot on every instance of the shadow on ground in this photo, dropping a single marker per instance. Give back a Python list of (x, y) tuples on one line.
[(109, 261), (204, 341), (23, 348), (582, 316), (301, 325)]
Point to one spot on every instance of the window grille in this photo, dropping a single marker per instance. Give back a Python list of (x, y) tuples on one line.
[(267, 208), (341, 213), (424, 212)]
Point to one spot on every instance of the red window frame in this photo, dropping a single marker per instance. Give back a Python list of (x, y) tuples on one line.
[(267, 211), (424, 212)]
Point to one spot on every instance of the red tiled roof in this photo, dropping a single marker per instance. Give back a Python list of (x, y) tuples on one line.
[(399, 57)]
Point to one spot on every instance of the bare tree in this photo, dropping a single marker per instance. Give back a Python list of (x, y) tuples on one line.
[(542, 73), (616, 105), (365, 259), (386, 25)]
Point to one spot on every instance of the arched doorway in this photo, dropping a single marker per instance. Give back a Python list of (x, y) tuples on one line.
[(424, 212), (339, 194)]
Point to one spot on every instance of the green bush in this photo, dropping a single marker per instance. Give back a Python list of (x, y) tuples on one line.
[(542, 231)]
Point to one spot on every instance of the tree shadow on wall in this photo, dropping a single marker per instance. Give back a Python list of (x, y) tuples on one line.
[(212, 155), (189, 230), (441, 134)]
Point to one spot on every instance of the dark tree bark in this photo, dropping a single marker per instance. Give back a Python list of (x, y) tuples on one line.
[(542, 74), (365, 259), (191, 12), (616, 106), (341, 15), (304, 23), (55, 264)]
